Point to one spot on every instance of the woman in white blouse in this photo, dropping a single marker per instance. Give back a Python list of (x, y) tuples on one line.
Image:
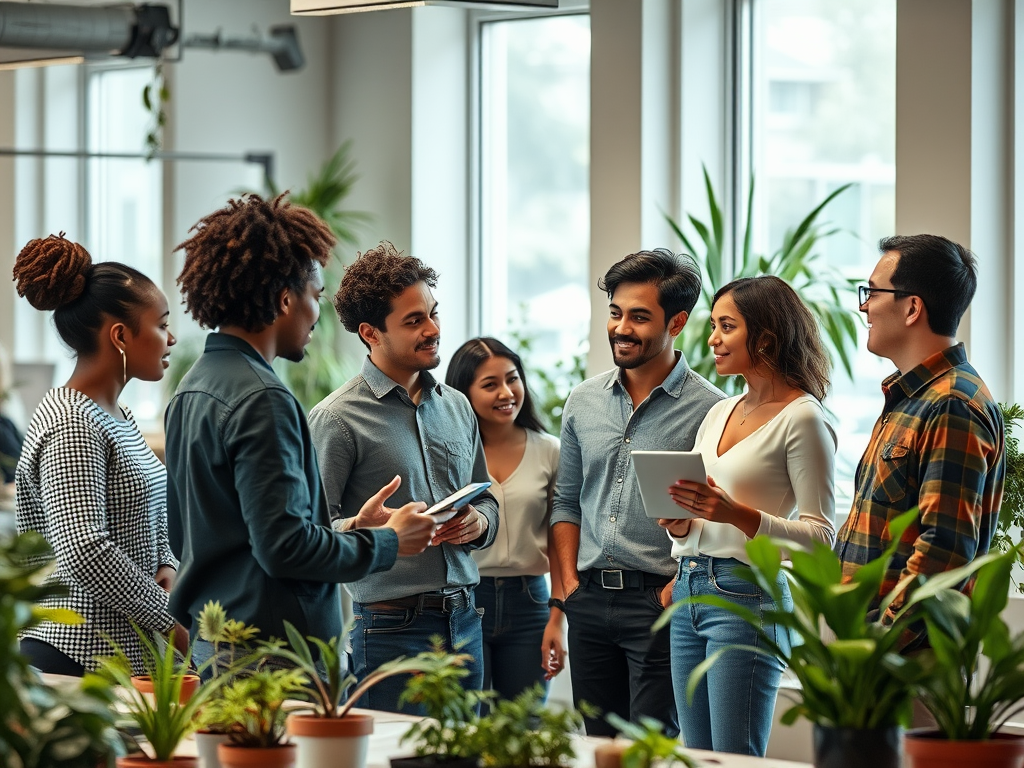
[(522, 632), (86, 479), (769, 455)]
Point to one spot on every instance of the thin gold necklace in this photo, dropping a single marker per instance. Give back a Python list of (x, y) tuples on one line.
[(747, 413)]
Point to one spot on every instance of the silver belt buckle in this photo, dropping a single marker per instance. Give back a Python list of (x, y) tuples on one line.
[(613, 585)]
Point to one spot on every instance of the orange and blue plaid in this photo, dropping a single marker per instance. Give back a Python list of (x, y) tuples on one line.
[(938, 445)]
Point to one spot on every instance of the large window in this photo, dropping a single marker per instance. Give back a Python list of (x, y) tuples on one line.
[(824, 114), (534, 172)]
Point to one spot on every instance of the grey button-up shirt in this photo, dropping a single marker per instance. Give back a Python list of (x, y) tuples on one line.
[(597, 487), (370, 430)]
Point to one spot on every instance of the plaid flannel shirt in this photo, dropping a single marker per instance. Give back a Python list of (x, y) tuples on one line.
[(938, 445)]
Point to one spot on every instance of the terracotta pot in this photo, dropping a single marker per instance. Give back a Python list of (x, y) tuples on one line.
[(331, 741), (930, 749), (206, 747), (231, 756), (143, 684), (141, 761), (856, 747)]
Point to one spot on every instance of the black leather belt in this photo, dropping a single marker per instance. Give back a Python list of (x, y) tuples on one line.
[(428, 601), (620, 579)]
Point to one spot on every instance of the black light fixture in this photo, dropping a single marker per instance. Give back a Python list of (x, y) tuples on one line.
[(326, 7)]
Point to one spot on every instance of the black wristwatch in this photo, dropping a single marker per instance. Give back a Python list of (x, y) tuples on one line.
[(554, 602)]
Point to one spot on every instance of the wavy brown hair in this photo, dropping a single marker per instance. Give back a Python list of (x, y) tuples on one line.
[(242, 256), (782, 334), (373, 281), (54, 273)]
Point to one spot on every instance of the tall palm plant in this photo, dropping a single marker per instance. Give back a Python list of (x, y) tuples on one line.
[(828, 294)]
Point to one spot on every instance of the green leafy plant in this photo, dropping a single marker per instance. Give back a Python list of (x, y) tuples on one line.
[(650, 744), (549, 387), (451, 709), (828, 294), (848, 682), (1011, 516), (325, 693), (230, 638), (155, 95), (524, 732), (969, 699), (162, 717), (250, 706), (41, 725)]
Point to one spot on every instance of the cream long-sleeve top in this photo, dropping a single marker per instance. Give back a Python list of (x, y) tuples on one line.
[(785, 469), (520, 547)]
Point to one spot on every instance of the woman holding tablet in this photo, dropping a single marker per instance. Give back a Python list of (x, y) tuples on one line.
[(523, 642), (769, 455)]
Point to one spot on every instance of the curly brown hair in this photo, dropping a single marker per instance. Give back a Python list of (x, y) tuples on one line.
[(373, 280), (242, 256), (54, 273)]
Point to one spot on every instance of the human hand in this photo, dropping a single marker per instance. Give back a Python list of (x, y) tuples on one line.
[(666, 594), (165, 576), (414, 529), (179, 639), (708, 502), (466, 527), (373, 514), (570, 582), (678, 528), (552, 649)]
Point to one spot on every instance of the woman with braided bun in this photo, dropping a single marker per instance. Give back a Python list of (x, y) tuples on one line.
[(86, 479)]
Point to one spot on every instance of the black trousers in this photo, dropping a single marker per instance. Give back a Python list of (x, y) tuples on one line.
[(617, 664), (48, 659)]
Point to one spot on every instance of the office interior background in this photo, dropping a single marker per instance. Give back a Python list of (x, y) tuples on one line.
[(522, 153)]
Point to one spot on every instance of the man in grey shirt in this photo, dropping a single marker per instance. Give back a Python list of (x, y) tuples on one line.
[(616, 562), (395, 420)]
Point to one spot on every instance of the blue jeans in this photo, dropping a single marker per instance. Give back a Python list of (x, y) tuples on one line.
[(382, 635), (732, 707), (515, 616)]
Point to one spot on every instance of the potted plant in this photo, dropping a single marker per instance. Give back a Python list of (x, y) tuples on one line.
[(646, 744), (445, 736), (330, 733), (524, 732), (250, 710), (848, 688), (161, 710), (232, 652), (45, 726), (971, 679), (1011, 512)]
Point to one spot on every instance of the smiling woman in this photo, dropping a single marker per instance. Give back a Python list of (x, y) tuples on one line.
[(86, 480)]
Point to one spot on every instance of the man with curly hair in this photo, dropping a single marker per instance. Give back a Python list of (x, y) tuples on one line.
[(395, 417), (246, 508)]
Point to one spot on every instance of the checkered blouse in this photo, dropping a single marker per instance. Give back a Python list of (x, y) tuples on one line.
[(90, 484)]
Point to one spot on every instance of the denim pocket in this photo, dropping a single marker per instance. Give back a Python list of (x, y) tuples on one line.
[(726, 582), (537, 590), (382, 622)]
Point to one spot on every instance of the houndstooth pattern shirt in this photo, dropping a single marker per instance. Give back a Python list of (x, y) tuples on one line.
[(89, 483)]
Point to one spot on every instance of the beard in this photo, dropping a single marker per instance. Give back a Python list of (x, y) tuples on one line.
[(643, 352)]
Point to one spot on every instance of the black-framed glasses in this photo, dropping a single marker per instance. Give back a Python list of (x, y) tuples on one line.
[(865, 292)]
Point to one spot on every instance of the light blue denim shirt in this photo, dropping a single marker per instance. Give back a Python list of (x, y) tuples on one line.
[(370, 430), (597, 487)]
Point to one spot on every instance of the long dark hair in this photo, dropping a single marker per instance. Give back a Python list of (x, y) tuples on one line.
[(467, 359), (782, 334)]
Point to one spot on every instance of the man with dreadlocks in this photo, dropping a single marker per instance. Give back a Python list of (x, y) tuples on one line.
[(247, 513)]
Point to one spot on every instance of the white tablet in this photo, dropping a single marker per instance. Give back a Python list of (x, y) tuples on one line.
[(447, 508), (657, 470)]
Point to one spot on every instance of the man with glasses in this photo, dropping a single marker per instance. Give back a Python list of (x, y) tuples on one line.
[(938, 444)]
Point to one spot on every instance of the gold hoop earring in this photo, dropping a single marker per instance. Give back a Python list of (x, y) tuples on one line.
[(124, 366)]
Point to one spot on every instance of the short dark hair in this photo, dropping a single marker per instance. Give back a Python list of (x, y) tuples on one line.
[(467, 359), (943, 273), (58, 274), (676, 276), (242, 256), (782, 334), (373, 281)]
